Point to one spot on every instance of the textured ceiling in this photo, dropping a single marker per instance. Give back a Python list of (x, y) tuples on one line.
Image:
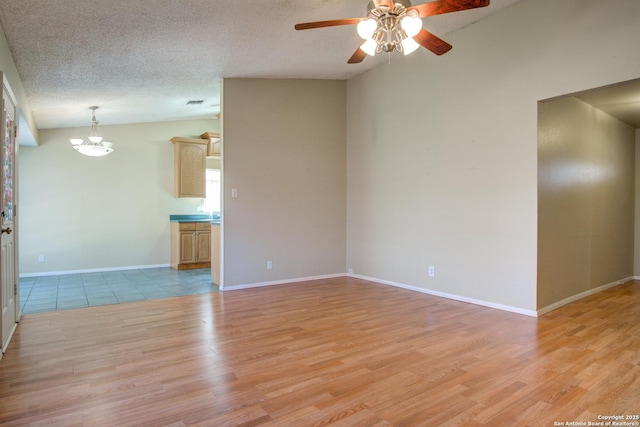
[(142, 60)]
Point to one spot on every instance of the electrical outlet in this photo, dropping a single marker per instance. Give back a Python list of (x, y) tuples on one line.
[(40, 258), (269, 265), (350, 271), (432, 271)]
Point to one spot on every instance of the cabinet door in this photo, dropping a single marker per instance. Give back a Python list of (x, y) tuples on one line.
[(189, 167), (204, 246), (187, 247)]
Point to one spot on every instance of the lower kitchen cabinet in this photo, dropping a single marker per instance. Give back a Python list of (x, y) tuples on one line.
[(190, 245)]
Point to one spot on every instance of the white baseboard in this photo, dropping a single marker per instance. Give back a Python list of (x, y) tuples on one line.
[(93, 270), (584, 294), (454, 297), (449, 296), (280, 282), (387, 282)]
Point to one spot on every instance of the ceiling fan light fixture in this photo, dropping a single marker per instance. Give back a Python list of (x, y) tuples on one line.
[(369, 47), (409, 45), (366, 28), (411, 24), (393, 29), (93, 145), (396, 25)]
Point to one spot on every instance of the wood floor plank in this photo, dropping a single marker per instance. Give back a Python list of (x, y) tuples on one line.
[(338, 352)]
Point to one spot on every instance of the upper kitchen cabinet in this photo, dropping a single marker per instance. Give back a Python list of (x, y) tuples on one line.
[(213, 145), (189, 165)]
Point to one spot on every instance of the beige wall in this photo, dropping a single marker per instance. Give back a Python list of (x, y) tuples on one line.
[(284, 152), (441, 159), (585, 200), (87, 213), (442, 151)]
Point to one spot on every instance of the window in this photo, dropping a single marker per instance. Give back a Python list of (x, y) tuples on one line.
[(212, 199)]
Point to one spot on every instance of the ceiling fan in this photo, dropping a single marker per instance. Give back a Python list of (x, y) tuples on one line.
[(396, 25)]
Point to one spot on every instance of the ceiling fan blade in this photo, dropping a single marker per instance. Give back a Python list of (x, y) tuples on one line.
[(434, 43), (357, 57), (331, 23), (446, 6)]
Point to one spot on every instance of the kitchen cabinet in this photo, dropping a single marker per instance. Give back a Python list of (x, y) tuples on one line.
[(189, 167), (213, 144), (190, 245), (215, 253)]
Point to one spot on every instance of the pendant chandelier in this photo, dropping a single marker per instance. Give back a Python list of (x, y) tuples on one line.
[(93, 145)]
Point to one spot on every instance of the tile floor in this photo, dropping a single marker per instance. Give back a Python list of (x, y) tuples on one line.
[(51, 293)]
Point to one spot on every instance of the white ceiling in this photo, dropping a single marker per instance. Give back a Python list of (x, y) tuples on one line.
[(142, 60)]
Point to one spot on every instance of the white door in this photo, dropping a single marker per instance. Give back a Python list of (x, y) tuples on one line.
[(8, 278)]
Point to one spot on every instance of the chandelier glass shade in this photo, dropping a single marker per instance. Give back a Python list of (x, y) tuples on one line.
[(93, 145), (388, 29)]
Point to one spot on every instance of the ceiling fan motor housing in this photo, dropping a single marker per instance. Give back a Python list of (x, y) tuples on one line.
[(372, 5)]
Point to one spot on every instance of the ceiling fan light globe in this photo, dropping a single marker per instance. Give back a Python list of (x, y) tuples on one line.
[(95, 139), (76, 141), (366, 28), (369, 47), (411, 25), (409, 45)]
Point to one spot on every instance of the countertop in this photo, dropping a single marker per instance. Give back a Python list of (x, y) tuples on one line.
[(213, 219)]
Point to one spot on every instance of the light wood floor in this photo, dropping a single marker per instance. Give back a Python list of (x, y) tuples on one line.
[(340, 352)]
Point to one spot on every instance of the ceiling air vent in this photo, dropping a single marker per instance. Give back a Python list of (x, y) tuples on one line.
[(195, 102)]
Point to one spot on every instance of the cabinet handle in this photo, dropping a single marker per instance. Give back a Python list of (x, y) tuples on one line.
[(6, 230)]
